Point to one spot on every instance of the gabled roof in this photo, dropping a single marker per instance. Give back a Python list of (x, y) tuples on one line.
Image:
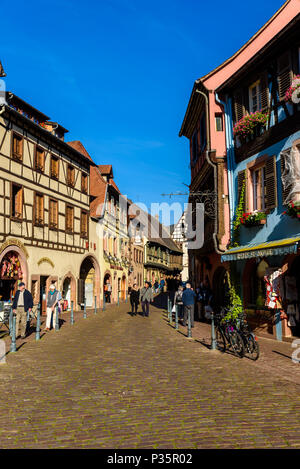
[(106, 169), (2, 72), (98, 188), (77, 145)]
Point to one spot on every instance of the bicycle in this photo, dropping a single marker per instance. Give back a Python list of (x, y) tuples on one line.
[(227, 336), (250, 343)]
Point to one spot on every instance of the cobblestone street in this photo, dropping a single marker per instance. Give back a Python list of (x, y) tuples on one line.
[(117, 381)]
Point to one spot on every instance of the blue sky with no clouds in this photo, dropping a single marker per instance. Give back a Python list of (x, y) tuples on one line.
[(118, 74)]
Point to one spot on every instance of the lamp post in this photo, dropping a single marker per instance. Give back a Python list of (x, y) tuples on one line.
[(13, 347), (72, 313), (57, 319), (84, 309), (38, 323), (213, 332)]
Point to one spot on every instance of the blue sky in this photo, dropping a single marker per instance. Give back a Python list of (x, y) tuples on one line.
[(118, 74)]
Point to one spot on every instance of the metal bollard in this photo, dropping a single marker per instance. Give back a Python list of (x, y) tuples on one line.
[(169, 309), (213, 333), (104, 301), (118, 299), (95, 305), (72, 312), (38, 323), (84, 309), (10, 321), (13, 347), (176, 317), (171, 313), (57, 319), (189, 324)]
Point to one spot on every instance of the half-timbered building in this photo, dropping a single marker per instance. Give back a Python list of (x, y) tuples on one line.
[(44, 197)]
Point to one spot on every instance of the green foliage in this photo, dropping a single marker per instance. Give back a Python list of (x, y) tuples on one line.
[(235, 298), (235, 242)]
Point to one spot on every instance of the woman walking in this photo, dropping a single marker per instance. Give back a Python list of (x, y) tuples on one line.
[(178, 301), (134, 299)]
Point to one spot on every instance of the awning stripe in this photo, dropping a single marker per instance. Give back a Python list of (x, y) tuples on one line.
[(271, 248)]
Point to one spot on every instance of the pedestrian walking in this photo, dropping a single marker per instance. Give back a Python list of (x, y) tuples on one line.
[(178, 301), (52, 301), (22, 304), (146, 297), (134, 299), (188, 300), (205, 296), (108, 291)]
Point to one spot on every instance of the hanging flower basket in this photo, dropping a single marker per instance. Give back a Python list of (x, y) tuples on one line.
[(293, 209), (253, 218), (249, 124), (293, 93)]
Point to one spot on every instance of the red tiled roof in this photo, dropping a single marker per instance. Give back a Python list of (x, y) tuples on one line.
[(105, 169), (112, 182), (77, 145), (98, 190)]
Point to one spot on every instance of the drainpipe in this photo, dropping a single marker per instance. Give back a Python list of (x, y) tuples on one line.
[(230, 157), (214, 166)]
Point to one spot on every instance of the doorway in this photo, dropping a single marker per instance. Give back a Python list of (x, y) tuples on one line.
[(43, 293)]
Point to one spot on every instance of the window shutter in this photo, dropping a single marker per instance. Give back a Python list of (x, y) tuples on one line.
[(20, 202), (285, 190), (80, 290), (284, 73), (238, 105), (264, 92), (271, 183)]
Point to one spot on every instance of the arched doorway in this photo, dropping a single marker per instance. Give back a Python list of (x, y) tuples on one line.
[(123, 288), (68, 290), (13, 269), (220, 288), (107, 287), (89, 281)]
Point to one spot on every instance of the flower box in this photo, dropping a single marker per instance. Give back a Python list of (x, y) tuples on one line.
[(250, 125), (293, 209), (253, 219), (293, 93)]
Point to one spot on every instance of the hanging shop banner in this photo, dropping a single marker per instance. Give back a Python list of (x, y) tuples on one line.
[(273, 281)]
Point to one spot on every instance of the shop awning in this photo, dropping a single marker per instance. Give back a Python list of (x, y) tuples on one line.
[(271, 248)]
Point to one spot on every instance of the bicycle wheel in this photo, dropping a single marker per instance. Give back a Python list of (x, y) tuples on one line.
[(220, 339), (252, 347), (237, 344)]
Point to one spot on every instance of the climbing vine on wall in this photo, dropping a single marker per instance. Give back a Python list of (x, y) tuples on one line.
[(238, 215)]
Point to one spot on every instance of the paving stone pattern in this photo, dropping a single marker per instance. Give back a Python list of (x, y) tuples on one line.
[(117, 381)]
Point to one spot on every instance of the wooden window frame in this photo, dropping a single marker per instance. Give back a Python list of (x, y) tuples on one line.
[(257, 86), (262, 161), (37, 166), (12, 216), (38, 221), (53, 226), (16, 156), (84, 186), (71, 182), (68, 229), (52, 174), (84, 234)]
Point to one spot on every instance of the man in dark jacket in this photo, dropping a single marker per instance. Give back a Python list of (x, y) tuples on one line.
[(22, 303), (134, 299), (188, 300)]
